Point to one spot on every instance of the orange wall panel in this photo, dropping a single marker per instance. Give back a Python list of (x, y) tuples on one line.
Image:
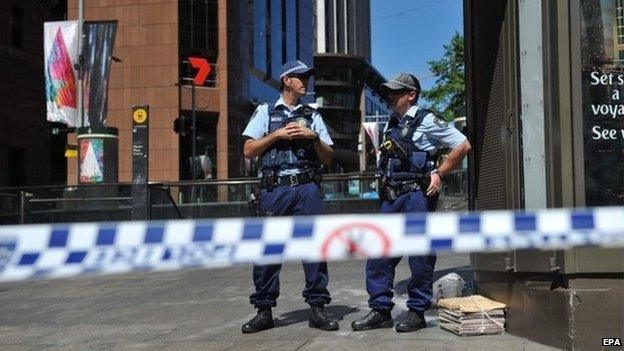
[(147, 45)]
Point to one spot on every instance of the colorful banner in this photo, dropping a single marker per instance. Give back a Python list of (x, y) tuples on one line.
[(372, 129), (91, 161), (60, 47), (99, 40)]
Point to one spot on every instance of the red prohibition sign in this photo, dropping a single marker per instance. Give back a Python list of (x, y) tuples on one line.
[(353, 247)]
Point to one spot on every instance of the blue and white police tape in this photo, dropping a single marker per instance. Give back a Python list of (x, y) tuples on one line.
[(63, 250)]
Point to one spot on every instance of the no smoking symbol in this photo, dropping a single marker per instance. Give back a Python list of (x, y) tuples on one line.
[(356, 240)]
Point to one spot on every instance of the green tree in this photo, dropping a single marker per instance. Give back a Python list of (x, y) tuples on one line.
[(447, 96)]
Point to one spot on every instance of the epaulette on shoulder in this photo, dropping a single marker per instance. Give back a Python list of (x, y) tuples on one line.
[(308, 110), (424, 112), (255, 113), (264, 103)]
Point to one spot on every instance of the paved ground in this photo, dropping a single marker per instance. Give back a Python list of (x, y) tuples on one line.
[(204, 310)]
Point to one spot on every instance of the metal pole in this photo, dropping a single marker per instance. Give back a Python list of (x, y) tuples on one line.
[(80, 91), (80, 59), (193, 145), (193, 131), (23, 198)]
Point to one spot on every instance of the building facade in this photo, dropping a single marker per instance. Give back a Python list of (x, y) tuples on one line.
[(246, 42), (29, 153), (347, 85), (544, 84), (343, 26)]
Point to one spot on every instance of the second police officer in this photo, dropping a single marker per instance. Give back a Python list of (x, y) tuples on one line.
[(292, 142), (411, 183)]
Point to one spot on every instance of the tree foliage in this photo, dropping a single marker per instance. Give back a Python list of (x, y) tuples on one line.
[(447, 96)]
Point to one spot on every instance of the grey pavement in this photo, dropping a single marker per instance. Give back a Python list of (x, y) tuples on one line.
[(204, 310)]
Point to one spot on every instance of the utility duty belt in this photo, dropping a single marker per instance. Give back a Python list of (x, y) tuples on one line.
[(391, 190), (391, 193), (269, 182)]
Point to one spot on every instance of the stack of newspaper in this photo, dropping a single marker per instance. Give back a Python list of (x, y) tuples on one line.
[(472, 315)]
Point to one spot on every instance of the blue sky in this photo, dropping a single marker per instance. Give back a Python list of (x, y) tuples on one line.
[(408, 33)]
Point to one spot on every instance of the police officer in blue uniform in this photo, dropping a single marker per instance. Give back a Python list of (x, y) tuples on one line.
[(410, 183), (292, 142)]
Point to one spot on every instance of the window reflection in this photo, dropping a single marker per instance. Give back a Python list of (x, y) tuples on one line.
[(198, 35)]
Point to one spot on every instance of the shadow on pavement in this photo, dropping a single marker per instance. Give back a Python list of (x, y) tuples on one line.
[(336, 312)]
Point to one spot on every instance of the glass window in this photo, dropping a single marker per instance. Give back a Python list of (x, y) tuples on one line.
[(292, 29), (343, 122), (330, 43), (603, 124), (351, 29), (198, 34), (337, 99), (276, 49), (532, 110), (260, 38), (340, 27), (206, 149), (342, 74), (619, 14), (369, 106)]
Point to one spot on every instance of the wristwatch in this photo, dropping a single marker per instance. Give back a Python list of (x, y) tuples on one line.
[(435, 171)]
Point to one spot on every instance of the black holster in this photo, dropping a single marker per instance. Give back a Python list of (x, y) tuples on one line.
[(390, 190), (253, 203)]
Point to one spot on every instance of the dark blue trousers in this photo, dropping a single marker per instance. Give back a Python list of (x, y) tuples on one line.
[(304, 199), (380, 272)]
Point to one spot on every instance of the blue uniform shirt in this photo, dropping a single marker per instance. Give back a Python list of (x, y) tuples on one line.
[(258, 126), (434, 133)]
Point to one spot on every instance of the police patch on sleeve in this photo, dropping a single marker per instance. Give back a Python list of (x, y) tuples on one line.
[(440, 122)]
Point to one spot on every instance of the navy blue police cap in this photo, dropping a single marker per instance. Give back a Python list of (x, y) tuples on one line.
[(296, 67), (402, 81)]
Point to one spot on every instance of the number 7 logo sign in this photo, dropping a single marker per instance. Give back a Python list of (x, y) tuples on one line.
[(203, 67)]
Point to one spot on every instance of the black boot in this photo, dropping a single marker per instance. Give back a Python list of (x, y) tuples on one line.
[(373, 320), (262, 321), (415, 320), (319, 320)]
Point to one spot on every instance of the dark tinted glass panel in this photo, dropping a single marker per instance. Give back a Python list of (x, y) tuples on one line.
[(260, 35), (276, 38), (291, 29), (337, 99), (351, 27), (603, 110), (335, 74), (329, 29), (198, 34), (340, 29), (206, 149)]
